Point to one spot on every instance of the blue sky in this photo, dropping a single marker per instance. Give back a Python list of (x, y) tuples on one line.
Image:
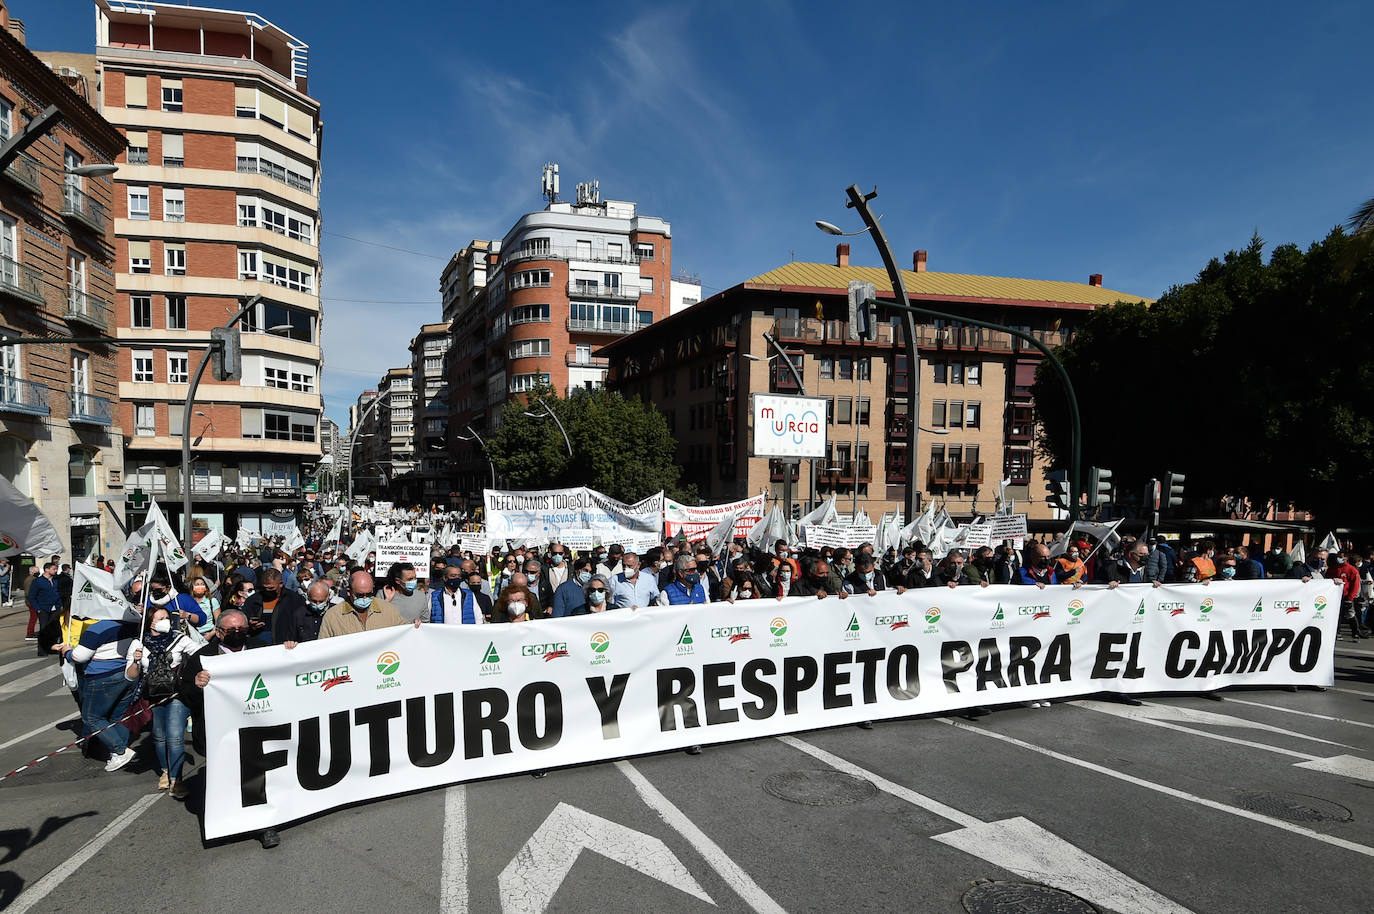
[(1043, 140)]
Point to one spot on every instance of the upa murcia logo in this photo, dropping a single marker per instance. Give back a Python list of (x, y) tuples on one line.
[(892, 622), (1320, 605), (684, 642), (388, 664), (551, 651), (778, 629), (851, 630), (326, 679), (1173, 609), (1205, 610), (932, 620), (1075, 610), (600, 643), (735, 633), (259, 699), (1035, 611), (491, 661), (999, 618)]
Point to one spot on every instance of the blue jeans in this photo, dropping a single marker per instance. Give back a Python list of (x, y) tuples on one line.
[(169, 736), (105, 699)]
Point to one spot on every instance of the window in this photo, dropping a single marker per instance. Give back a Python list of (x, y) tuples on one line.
[(152, 480), (528, 314), (175, 259), (973, 414), (81, 373), (6, 119), (135, 91), (644, 250), (173, 204), (534, 247), (973, 373), (941, 370), (612, 283), (302, 323), (845, 369), (584, 249), (245, 101), (971, 453), (524, 383), (861, 414), (80, 473), (138, 146), (9, 248), (864, 368), (176, 312), (141, 312), (143, 366), (76, 285), (527, 349), (529, 279), (248, 264), (173, 151), (177, 370), (253, 477), (646, 285), (304, 382), (956, 372), (844, 410), (145, 419), (956, 413), (288, 426), (827, 368), (138, 202), (171, 95), (248, 214), (140, 257), (937, 414), (613, 251)]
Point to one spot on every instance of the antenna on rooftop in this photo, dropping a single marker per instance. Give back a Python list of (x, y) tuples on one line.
[(589, 193), (550, 182)]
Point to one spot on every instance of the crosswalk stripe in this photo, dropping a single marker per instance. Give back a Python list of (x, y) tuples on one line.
[(20, 664), (15, 686)]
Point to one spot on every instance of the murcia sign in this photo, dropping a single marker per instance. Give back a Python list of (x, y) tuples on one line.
[(789, 426)]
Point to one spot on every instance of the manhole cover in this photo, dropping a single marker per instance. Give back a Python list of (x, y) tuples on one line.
[(1295, 807), (1022, 898), (821, 787)]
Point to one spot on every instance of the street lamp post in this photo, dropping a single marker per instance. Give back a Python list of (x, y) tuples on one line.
[(472, 433), (362, 421), (554, 416)]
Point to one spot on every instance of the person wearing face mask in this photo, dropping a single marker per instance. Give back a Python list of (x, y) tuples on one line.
[(1344, 572), (922, 572), (1038, 569), (778, 581), (866, 578), (305, 624), (633, 587), (516, 604), (598, 594), (1277, 563), (536, 579), (509, 566), (608, 560), (818, 583), (105, 693), (1069, 567), (460, 601), (555, 573), (686, 587), (404, 591), (363, 611), (207, 602), (570, 599), (271, 608), (154, 663), (954, 572), (782, 556)]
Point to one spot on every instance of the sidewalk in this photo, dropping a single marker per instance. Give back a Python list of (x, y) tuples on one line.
[(13, 622)]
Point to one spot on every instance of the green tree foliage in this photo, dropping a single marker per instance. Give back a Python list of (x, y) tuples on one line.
[(620, 447), (1251, 380)]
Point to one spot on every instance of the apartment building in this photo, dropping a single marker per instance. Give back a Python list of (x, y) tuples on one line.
[(973, 424), (430, 483), (60, 436), (395, 427), (558, 285), (216, 201)]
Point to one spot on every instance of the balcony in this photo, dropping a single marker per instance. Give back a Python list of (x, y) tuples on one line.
[(897, 426), (573, 360), (601, 293), (84, 308), (609, 328), (21, 282), (843, 471), (79, 206), (565, 254), (88, 409), (955, 473), (25, 397), (777, 470), (24, 172)]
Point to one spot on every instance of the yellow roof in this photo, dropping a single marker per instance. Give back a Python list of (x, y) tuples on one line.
[(960, 286)]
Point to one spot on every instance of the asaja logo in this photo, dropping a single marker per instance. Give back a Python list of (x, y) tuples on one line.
[(851, 630), (778, 627), (388, 662), (600, 643), (551, 651), (491, 661), (892, 622), (999, 618), (1139, 616), (258, 700), (684, 642)]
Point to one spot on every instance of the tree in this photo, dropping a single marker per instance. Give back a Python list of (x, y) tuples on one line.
[(1249, 380), (620, 447)]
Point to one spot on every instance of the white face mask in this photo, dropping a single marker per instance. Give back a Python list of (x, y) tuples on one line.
[(162, 626), (515, 609)]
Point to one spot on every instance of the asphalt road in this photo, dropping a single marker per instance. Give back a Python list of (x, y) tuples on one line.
[(1261, 802)]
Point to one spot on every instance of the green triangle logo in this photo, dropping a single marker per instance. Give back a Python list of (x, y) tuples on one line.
[(1259, 606), (87, 588), (853, 625), (685, 637), (491, 655), (1141, 610), (999, 616), (258, 690)]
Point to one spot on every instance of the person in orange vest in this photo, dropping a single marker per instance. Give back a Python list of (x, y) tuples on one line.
[(1200, 566), (1069, 566)]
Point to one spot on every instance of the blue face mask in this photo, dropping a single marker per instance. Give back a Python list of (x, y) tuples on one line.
[(363, 602), (557, 558), (1228, 572), (583, 577), (693, 579), (597, 597), (410, 586), (318, 608)]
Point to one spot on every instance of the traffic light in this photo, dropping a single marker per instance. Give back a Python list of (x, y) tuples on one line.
[(1057, 489), (1099, 487), (1173, 490), (797, 511), (863, 322), (226, 359)]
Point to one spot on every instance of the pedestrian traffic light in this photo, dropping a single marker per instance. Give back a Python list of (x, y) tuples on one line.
[(797, 511), (1173, 490), (1057, 489), (863, 322), (1099, 487), (226, 354)]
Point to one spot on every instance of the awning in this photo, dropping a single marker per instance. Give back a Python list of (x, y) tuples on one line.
[(1237, 524)]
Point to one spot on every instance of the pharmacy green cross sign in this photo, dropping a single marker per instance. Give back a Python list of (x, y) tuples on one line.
[(137, 499)]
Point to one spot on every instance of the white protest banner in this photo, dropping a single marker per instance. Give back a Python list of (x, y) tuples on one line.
[(389, 552), (996, 529), (414, 708), (23, 528), (856, 535), (696, 522), (210, 546), (95, 596), (170, 549), (539, 517)]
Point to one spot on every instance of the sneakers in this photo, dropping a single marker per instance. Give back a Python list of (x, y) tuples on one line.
[(269, 839), (117, 762), (163, 782), (179, 789), (31, 638)]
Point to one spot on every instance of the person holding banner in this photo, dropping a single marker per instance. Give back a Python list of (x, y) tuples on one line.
[(865, 578), (686, 587), (454, 604), (363, 612), (154, 662)]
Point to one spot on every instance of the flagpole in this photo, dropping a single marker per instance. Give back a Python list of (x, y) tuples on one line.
[(148, 583)]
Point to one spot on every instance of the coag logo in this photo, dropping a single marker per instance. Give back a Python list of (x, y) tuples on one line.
[(778, 627), (1287, 606), (1173, 609), (388, 662), (551, 651), (736, 633), (326, 679), (1075, 607), (892, 622), (1038, 611)]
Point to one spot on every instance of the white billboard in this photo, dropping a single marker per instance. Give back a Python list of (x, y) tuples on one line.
[(789, 426)]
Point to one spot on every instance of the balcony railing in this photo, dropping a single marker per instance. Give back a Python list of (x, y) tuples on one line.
[(843, 470), (24, 172), (564, 254), (89, 409), (602, 293), (20, 396), (249, 166), (81, 207), (573, 360), (612, 328), (950, 472), (84, 308), (577, 389), (20, 281)]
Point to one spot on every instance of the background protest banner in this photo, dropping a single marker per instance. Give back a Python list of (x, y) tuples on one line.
[(294, 733), (850, 536), (391, 551), (996, 529), (537, 517), (695, 522)]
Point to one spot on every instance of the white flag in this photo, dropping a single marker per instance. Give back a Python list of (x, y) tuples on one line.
[(334, 533), (210, 546), (23, 528), (825, 513), (861, 519), (723, 532), (243, 539), (134, 560), (95, 596), (294, 540), (1299, 553), (171, 550), (363, 543), (1330, 544)]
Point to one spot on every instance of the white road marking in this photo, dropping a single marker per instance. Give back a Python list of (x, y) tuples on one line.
[(1349, 766), (1335, 720), (1354, 650), (24, 683), (730, 871), (1167, 791), (1019, 846), (1153, 711), (453, 875), (1351, 691), (57, 876), (36, 731), (20, 664), (531, 879)]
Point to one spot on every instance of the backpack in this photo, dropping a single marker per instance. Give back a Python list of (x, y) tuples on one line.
[(161, 681)]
